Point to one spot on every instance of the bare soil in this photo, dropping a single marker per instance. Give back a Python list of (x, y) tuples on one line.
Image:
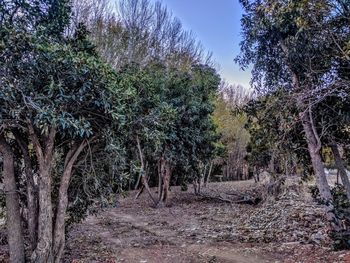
[(190, 229)]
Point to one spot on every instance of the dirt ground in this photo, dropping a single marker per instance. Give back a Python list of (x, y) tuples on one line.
[(191, 229)]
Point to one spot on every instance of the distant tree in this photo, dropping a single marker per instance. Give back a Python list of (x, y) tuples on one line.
[(138, 31), (231, 127)]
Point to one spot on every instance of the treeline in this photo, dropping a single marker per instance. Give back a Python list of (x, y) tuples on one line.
[(230, 161), (94, 102), (301, 73)]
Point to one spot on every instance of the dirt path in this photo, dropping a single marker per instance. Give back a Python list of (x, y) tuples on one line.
[(132, 238), (190, 230)]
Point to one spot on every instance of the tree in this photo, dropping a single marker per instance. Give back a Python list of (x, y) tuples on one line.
[(285, 42), (276, 142), (61, 97), (138, 31), (170, 124), (335, 135)]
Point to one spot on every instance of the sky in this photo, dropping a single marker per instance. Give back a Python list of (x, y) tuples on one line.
[(216, 24)]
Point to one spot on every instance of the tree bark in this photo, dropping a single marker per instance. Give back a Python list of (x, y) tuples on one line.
[(341, 169), (256, 174), (43, 250), (32, 204), (165, 173), (142, 171), (13, 220), (32, 197), (160, 167), (314, 146), (59, 229), (207, 178), (166, 181)]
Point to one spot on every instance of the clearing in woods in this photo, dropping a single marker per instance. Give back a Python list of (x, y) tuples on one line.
[(191, 229)]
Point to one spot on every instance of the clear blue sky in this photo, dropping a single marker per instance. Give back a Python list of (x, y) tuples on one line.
[(216, 23)]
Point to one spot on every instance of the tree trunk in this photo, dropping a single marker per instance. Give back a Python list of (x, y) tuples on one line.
[(195, 187), (165, 177), (136, 186), (142, 172), (166, 182), (207, 178), (160, 169), (32, 193), (42, 253), (341, 169), (148, 189), (314, 146), (162, 165), (256, 174), (43, 250), (32, 205), (59, 229), (199, 184), (314, 151), (13, 220)]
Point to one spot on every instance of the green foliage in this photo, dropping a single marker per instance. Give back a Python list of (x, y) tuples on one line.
[(275, 131), (44, 17), (51, 82), (77, 83), (234, 137), (169, 112), (297, 52), (285, 42), (74, 121), (280, 36)]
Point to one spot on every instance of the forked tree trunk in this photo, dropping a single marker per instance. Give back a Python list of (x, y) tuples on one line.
[(314, 146), (13, 215), (341, 169), (143, 173), (59, 229)]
